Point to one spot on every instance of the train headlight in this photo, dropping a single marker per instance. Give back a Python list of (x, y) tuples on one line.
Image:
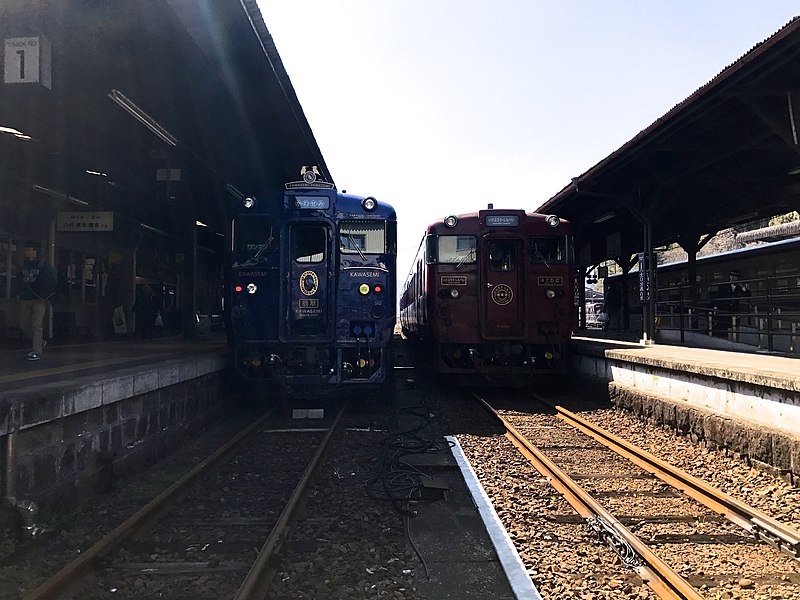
[(550, 293), (369, 204), (249, 202), (451, 221), (454, 293), (252, 288), (363, 289), (552, 220)]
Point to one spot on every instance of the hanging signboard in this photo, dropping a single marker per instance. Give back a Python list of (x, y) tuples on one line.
[(644, 278), (85, 221), (27, 60)]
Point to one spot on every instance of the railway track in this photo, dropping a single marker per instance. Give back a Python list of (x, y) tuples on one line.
[(204, 536), (656, 524)]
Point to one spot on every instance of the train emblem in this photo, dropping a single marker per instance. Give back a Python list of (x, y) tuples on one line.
[(309, 283), (502, 294)]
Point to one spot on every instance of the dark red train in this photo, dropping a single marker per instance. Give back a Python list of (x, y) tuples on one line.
[(492, 293)]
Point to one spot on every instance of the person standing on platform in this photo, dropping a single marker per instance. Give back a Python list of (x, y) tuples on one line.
[(146, 308), (612, 301), (38, 285)]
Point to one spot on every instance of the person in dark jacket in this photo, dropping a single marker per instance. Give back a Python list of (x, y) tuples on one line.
[(38, 285), (613, 303), (146, 308)]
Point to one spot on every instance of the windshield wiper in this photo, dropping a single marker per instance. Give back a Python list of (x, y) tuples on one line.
[(353, 243), (542, 258), (266, 246), (468, 256)]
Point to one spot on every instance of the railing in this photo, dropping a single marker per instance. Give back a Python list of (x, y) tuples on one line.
[(768, 318)]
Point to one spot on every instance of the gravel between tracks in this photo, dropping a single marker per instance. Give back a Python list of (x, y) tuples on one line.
[(565, 562), (66, 534), (350, 546)]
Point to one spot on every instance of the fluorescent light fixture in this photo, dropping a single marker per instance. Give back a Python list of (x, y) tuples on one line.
[(154, 229), (49, 192), (606, 217), (60, 195), (98, 173), (200, 224), (795, 171), (15, 132), (143, 118), (234, 192)]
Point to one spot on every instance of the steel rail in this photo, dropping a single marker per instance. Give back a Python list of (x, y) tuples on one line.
[(761, 526), (71, 573), (653, 571), (257, 582)]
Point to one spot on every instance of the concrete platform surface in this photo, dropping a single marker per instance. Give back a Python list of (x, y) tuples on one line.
[(755, 368), (66, 363)]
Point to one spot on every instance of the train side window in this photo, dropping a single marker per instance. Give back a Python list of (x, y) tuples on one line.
[(391, 237), (368, 237), (308, 244), (431, 252), (502, 256)]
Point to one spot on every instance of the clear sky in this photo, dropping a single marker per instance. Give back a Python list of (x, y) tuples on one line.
[(441, 106)]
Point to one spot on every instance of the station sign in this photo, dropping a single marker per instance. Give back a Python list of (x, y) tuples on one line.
[(645, 285), (85, 221)]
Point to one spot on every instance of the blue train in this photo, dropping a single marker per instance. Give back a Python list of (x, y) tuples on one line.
[(310, 292)]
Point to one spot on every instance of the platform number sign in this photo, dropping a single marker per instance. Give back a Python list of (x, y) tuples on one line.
[(27, 60)]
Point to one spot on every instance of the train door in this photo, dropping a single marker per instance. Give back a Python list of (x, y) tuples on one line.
[(502, 274), (308, 294)]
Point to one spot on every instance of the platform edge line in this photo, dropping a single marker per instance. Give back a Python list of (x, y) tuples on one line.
[(512, 564)]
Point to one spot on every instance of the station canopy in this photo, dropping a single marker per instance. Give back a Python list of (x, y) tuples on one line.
[(727, 155), (217, 115)]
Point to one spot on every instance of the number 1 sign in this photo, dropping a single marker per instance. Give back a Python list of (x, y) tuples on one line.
[(27, 60)]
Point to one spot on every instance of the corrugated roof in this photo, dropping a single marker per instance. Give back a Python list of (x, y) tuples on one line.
[(271, 52), (684, 106), (782, 230)]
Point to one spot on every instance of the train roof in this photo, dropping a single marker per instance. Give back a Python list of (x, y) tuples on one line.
[(347, 205), (474, 217), (351, 203)]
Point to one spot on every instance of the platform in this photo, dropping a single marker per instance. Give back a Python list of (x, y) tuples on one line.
[(748, 403), (464, 550), (85, 408), (65, 363)]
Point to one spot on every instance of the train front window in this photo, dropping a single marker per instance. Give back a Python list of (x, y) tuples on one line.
[(459, 249), (362, 237), (308, 243), (254, 236), (549, 250), (502, 256)]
